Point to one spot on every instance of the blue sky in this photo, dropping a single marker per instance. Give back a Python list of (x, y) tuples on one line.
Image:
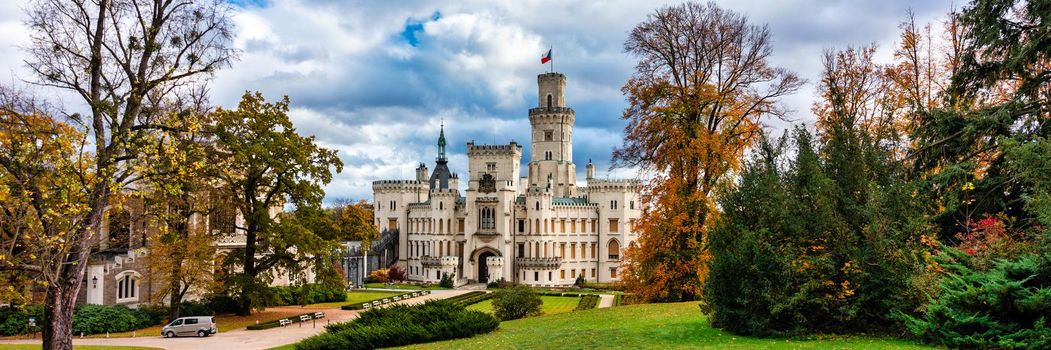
[(374, 79)]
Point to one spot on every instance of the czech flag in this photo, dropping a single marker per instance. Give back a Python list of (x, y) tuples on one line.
[(546, 57)]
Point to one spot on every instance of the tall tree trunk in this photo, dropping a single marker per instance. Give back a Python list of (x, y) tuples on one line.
[(248, 287)]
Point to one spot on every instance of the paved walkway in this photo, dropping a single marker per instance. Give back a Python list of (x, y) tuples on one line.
[(242, 338), (605, 300)]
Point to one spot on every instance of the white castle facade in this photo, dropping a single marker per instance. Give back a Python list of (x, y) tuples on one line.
[(541, 229)]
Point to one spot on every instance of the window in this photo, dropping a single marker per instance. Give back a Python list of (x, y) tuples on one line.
[(563, 273), (614, 225), (521, 226), (594, 225), (191, 321), (613, 272), (460, 222), (441, 205), (549, 135), (536, 275), (547, 155), (487, 218), (549, 275), (593, 246), (613, 205), (614, 249), (548, 100), (537, 205), (632, 205), (573, 273), (490, 167), (392, 223), (521, 249), (562, 251), (562, 226), (592, 273), (573, 251), (126, 287)]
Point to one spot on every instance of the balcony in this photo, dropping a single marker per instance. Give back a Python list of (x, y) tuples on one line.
[(539, 263), (550, 110)]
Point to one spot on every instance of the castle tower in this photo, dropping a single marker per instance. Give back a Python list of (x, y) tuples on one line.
[(551, 152), (421, 172), (440, 178), (590, 170)]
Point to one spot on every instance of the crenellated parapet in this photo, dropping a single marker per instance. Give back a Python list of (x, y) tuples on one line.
[(509, 149), (536, 263), (398, 185), (625, 185)]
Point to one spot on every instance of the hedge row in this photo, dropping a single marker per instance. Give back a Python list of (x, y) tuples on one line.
[(306, 294), (587, 302), (562, 294), (385, 300), (474, 299), (403, 325), (458, 298)]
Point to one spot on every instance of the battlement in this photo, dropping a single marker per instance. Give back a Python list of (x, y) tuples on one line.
[(511, 148), (398, 185), (551, 110), (622, 185)]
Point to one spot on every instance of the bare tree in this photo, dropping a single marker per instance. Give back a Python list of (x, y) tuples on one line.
[(122, 57)]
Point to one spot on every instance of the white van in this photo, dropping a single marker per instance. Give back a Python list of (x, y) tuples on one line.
[(201, 326)]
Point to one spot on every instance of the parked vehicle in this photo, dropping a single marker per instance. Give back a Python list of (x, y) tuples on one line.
[(201, 326)]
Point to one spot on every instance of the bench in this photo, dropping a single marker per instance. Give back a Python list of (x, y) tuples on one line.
[(366, 305), (284, 322), (377, 303), (415, 294), (304, 318), (319, 314), (386, 301), (397, 298)]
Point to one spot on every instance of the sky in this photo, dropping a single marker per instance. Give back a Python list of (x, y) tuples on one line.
[(375, 80)]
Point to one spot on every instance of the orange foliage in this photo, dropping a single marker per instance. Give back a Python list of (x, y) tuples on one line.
[(691, 117)]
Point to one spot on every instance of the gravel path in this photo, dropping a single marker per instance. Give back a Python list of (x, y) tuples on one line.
[(242, 338)]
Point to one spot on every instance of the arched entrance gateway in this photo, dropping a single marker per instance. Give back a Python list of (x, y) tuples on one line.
[(483, 267)]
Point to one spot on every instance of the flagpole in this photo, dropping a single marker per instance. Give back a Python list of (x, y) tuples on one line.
[(552, 59)]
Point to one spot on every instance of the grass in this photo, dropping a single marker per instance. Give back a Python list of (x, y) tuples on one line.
[(552, 305), (354, 297), (650, 326), (76, 347), (404, 286)]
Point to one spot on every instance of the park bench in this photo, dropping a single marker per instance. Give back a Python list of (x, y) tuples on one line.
[(386, 301), (397, 298), (304, 318), (366, 305), (377, 303), (415, 294), (319, 314), (284, 322)]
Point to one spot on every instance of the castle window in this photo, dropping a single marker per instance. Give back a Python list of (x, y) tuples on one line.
[(573, 251), (537, 205), (613, 272), (536, 276), (549, 135), (487, 218), (490, 167), (127, 289), (441, 205), (547, 155), (521, 226), (614, 249), (521, 249), (549, 275), (614, 225), (631, 205), (549, 100)]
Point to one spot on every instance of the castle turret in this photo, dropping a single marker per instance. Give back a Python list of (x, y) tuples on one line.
[(551, 153), (590, 170), (440, 177), (421, 172)]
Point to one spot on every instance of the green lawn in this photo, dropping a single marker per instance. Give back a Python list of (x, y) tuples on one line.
[(75, 347), (552, 305), (355, 297), (650, 326), (404, 286)]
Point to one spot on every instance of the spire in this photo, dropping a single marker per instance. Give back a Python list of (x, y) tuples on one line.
[(441, 143)]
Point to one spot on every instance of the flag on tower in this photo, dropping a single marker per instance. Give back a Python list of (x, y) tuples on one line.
[(546, 57)]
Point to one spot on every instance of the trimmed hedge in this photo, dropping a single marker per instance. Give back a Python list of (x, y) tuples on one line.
[(97, 319), (14, 320), (461, 297), (403, 325), (474, 299), (358, 306), (306, 294), (587, 302)]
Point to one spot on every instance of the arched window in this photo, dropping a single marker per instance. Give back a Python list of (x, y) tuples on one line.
[(537, 205), (548, 100), (441, 205), (127, 286), (614, 249)]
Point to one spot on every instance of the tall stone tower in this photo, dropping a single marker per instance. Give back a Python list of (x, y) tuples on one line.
[(551, 160)]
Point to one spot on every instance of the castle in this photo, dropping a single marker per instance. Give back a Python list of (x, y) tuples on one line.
[(540, 230)]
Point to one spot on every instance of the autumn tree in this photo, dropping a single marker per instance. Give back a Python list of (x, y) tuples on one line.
[(121, 58), (178, 192), (264, 165), (697, 99)]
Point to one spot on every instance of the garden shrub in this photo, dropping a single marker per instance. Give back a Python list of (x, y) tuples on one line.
[(14, 320), (587, 302), (516, 302), (447, 280), (399, 325), (97, 319), (1006, 306), (312, 293)]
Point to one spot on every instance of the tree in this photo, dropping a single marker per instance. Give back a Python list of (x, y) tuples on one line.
[(176, 188), (122, 58), (999, 93), (265, 164), (696, 102)]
